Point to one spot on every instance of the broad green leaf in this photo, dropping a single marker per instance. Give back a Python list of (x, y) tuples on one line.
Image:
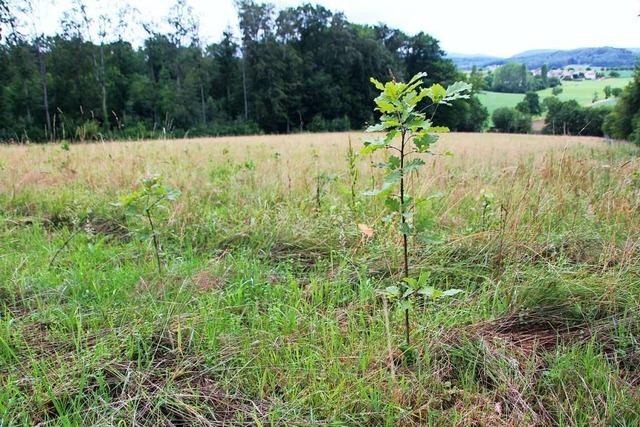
[(410, 281), (427, 291), (405, 228), (173, 194), (392, 292), (391, 90), (458, 90), (424, 278), (413, 165), (437, 293), (419, 97), (385, 104), (418, 123), (387, 219), (392, 203), (437, 93), (405, 304), (417, 77), (408, 216), (386, 186), (393, 177), (409, 97), (377, 84), (391, 135), (378, 127), (424, 141), (451, 292), (408, 201), (371, 145), (393, 162), (130, 199), (390, 122)]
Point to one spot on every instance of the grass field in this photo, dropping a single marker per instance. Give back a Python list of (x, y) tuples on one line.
[(581, 91), (266, 309), (494, 100)]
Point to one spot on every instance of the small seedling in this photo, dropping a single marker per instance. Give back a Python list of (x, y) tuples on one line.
[(152, 195), (487, 200), (354, 174), (323, 180), (408, 132), (411, 289)]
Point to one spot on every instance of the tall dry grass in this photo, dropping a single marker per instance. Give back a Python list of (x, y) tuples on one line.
[(114, 165)]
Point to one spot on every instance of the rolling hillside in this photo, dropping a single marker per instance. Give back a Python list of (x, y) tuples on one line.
[(597, 57)]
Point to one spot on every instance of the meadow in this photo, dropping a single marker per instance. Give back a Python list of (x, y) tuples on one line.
[(265, 309), (582, 91)]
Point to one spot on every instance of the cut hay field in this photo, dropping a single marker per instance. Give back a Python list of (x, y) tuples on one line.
[(266, 310)]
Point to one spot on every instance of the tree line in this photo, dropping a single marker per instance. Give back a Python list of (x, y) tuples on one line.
[(301, 68), (513, 77), (624, 120)]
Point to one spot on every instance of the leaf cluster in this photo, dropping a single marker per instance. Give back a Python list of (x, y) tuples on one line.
[(411, 287), (402, 117), (151, 193)]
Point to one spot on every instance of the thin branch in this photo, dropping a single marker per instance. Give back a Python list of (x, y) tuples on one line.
[(155, 239), (64, 245)]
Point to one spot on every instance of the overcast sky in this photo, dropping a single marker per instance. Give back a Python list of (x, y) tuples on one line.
[(492, 27)]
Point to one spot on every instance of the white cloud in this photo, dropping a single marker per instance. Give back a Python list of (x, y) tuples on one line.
[(495, 27)]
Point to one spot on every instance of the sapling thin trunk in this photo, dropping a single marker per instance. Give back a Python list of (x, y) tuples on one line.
[(405, 238), (154, 237), (318, 180), (318, 191), (64, 245)]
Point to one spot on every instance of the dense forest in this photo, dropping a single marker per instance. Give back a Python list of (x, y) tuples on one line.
[(303, 68)]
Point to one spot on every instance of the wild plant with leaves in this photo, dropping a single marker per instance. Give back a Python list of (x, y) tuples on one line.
[(408, 133), (353, 173), (153, 194)]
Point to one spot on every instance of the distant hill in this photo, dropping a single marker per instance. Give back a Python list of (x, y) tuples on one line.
[(534, 52), (594, 56), (466, 62)]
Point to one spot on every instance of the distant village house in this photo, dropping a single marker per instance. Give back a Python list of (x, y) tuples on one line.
[(568, 74)]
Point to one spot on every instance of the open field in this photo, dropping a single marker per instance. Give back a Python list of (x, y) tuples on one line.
[(494, 100), (581, 91), (266, 312)]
